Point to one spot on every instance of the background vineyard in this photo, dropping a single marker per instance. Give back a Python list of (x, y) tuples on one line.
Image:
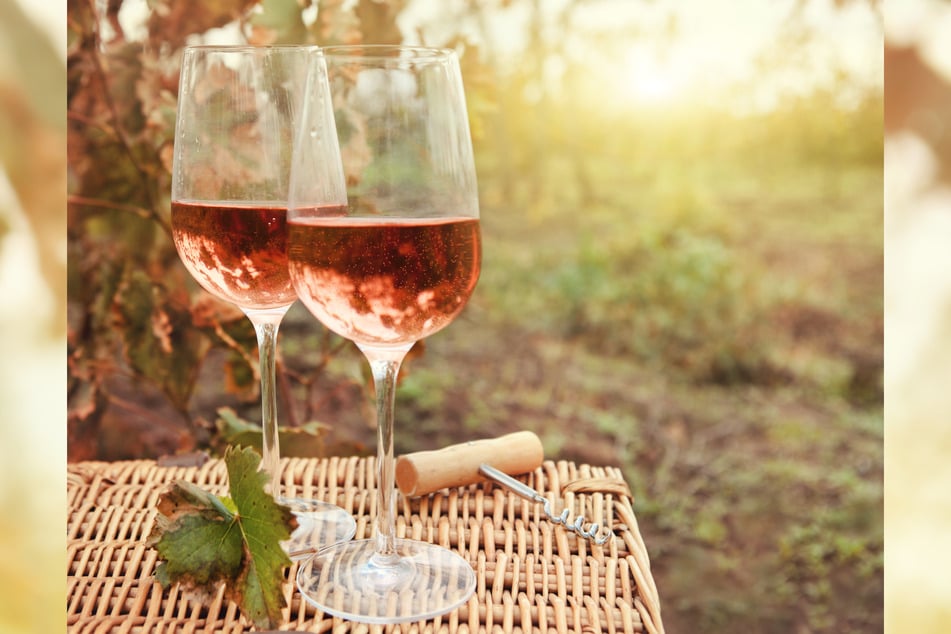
[(692, 293)]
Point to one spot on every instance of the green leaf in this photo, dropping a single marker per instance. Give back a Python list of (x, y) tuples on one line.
[(305, 441), (158, 340), (278, 22), (205, 540), (199, 539)]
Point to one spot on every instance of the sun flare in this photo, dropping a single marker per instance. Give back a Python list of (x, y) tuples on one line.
[(654, 87), (648, 78)]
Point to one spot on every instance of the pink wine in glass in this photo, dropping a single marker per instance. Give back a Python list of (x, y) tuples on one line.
[(384, 281), (237, 252)]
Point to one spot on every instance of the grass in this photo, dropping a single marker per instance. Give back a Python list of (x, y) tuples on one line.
[(711, 323), (719, 338)]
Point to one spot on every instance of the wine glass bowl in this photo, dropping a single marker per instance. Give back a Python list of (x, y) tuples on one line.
[(236, 251), (385, 282), (236, 121), (384, 244)]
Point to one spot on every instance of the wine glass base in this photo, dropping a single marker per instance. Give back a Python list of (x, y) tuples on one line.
[(319, 524), (419, 582)]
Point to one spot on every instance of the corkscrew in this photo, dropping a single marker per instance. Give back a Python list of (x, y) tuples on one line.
[(524, 491)]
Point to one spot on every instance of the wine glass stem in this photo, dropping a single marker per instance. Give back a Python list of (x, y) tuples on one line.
[(266, 325), (385, 366)]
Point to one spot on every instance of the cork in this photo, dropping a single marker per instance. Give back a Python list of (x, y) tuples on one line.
[(424, 472)]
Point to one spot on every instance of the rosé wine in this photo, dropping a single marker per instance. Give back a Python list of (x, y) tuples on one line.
[(388, 281), (236, 251)]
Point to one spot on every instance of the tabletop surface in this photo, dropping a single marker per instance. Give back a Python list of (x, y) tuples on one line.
[(532, 575)]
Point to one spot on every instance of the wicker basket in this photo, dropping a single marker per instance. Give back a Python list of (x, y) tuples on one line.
[(532, 576)]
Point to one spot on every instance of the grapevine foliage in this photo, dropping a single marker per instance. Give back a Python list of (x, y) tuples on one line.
[(206, 541), (139, 329)]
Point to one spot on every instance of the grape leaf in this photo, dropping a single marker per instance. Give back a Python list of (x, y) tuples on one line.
[(205, 540), (302, 441), (172, 21), (277, 22), (156, 337)]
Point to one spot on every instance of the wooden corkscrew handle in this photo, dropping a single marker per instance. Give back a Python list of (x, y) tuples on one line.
[(424, 472)]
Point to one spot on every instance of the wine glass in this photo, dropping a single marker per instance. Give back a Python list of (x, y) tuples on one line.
[(384, 253), (237, 110)]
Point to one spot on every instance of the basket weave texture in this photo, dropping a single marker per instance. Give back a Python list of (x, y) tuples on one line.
[(532, 576)]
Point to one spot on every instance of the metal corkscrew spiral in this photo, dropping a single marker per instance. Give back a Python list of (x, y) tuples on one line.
[(564, 519)]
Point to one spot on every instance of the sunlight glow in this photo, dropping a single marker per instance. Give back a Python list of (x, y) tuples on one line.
[(650, 80), (705, 53)]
